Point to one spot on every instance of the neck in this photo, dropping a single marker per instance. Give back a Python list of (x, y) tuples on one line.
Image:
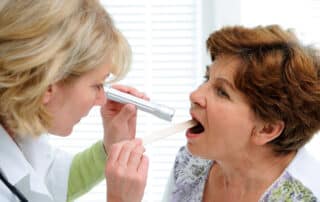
[(249, 173)]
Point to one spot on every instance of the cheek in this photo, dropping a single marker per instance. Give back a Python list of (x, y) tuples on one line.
[(79, 105), (85, 105), (85, 98), (230, 122)]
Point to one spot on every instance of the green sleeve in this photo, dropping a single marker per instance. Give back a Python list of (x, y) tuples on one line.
[(87, 170)]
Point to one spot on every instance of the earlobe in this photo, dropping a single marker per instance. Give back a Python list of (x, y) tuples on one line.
[(268, 132)]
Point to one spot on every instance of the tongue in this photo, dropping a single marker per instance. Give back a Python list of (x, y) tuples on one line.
[(197, 129)]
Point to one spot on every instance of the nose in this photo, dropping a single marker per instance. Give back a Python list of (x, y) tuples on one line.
[(100, 98), (197, 97)]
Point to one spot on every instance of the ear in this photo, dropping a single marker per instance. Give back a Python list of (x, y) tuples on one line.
[(267, 132), (48, 94)]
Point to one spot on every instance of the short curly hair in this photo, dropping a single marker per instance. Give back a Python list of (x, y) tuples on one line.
[(279, 76), (44, 42)]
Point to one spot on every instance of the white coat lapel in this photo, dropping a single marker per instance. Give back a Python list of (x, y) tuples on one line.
[(38, 154), (26, 170)]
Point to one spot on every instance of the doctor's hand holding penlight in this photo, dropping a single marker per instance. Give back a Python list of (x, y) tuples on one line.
[(161, 111), (158, 110)]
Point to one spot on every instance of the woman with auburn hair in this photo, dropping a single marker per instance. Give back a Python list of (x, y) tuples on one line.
[(257, 108), (55, 56)]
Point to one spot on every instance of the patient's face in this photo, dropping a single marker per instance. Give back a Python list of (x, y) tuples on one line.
[(226, 120)]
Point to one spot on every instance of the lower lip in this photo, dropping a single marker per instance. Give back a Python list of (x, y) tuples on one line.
[(191, 136)]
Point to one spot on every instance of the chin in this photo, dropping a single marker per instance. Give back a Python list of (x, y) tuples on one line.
[(61, 133), (67, 133), (193, 149), (196, 151)]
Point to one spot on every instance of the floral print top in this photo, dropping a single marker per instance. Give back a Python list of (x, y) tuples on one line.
[(190, 174)]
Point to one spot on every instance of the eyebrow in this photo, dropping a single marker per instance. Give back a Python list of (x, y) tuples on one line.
[(225, 81), (220, 79)]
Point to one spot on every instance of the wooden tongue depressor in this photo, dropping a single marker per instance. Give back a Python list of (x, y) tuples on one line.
[(163, 133)]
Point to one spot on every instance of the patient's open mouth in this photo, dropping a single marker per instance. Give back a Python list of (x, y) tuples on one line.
[(197, 129)]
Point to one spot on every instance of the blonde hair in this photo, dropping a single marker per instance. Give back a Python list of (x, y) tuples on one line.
[(43, 42)]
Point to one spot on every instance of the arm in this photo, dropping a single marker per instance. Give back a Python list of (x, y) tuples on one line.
[(87, 170)]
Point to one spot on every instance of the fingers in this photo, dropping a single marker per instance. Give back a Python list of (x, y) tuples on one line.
[(126, 171), (112, 108), (116, 106), (127, 112), (119, 120), (114, 152), (136, 157), (127, 154), (131, 91), (143, 167)]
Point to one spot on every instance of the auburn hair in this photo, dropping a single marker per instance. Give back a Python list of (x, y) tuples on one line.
[(279, 76)]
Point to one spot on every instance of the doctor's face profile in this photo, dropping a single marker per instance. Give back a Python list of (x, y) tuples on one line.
[(60, 78), (68, 102)]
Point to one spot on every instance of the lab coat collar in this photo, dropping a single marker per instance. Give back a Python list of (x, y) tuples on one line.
[(28, 161)]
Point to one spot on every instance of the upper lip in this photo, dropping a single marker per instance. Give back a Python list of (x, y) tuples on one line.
[(194, 117)]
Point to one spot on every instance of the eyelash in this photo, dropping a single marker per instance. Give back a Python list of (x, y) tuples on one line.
[(218, 89), (221, 92), (99, 86), (205, 78)]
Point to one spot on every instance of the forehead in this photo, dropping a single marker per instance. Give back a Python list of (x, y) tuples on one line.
[(98, 73), (225, 66)]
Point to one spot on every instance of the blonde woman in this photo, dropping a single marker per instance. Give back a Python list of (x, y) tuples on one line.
[(257, 108), (55, 56)]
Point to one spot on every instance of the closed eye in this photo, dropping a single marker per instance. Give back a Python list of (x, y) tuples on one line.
[(99, 86)]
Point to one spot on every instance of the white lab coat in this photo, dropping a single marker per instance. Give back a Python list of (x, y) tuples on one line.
[(36, 169)]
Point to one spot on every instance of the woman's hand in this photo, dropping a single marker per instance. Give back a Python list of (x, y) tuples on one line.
[(126, 172), (119, 120)]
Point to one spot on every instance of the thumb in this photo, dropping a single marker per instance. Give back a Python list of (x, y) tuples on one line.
[(127, 112)]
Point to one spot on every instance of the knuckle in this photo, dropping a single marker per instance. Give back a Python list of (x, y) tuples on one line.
[(128, 146), (115, 147)]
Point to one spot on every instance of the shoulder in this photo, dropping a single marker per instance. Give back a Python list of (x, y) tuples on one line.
[(299, 182), (288, 188), (189, 176), (306, 169)]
